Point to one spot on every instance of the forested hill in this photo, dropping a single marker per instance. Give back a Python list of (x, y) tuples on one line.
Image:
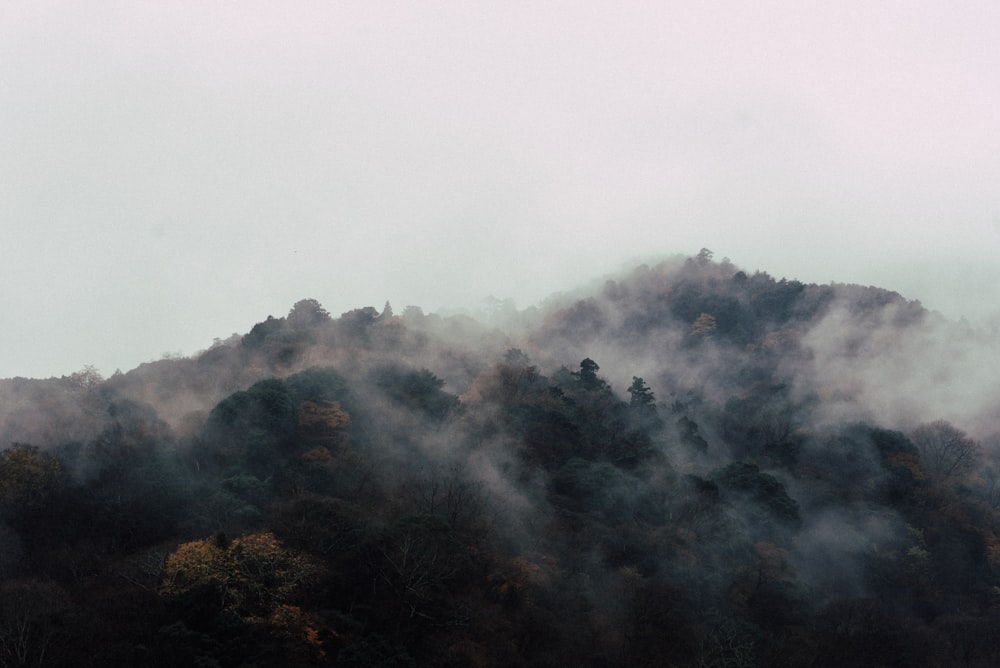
[(690, 464)]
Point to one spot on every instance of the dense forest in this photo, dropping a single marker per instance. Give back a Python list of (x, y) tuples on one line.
[(686, 465)]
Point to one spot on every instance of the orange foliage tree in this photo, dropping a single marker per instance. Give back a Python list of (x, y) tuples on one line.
[(253, 575)]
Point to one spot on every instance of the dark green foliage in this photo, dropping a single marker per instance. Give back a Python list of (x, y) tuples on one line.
[(900, 459), (764, 423), (643, 413), (262, 332), (550, 438), (420, 391), (641, 398), (890, 442), (266, 407), (589, 421), (762, 488), (587, 375), (318, 384), (688, 430), (357, 325), (596, 487), (248, 429)]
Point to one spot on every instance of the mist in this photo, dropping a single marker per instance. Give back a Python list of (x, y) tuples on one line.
[(757, 451), (342, 335), (168, 179)]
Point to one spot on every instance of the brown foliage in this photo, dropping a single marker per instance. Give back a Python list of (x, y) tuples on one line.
[(253, 574)]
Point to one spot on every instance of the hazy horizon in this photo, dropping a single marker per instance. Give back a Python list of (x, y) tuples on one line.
[(171, 174)]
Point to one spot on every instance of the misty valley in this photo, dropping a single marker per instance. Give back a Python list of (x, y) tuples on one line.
[(689, 464)]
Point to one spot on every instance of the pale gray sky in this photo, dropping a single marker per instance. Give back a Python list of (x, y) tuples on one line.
[(175, 171)]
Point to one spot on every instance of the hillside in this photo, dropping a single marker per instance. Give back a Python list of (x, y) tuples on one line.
[(689, 464)]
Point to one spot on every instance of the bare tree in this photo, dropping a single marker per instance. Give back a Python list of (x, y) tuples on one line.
[(944, 448), (28, 621)]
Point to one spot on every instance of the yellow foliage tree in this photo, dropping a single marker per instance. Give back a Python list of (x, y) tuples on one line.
[(323, 415), (703, 326), (323, 423), (254, 574)]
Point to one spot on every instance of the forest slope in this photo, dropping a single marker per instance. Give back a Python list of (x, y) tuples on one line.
[(689, 465)]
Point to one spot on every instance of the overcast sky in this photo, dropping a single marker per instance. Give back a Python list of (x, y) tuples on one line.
[(171, 172)]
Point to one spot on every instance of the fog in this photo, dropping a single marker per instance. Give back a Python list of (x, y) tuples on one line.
[(688, 449), (601, 442), (172, 173)]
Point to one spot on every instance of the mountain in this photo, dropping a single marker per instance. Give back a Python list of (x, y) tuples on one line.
[(688, 464)]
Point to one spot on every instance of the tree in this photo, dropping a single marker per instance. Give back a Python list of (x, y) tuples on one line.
[(704, 326), (509, 383), (306, 313), (319, 384), (357, 321), (688, 430), (327, 527), (944, 448), (766, 491), (642, 397), (323, 421), (30, 480), (587, 375), (87, 378), (516, 357), (252, 575), (642, 405), (418, 390), (29, 621), (414, 563)]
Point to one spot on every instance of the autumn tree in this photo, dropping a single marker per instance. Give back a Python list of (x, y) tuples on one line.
[(322, 422), (704, 326), (250, 576)]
